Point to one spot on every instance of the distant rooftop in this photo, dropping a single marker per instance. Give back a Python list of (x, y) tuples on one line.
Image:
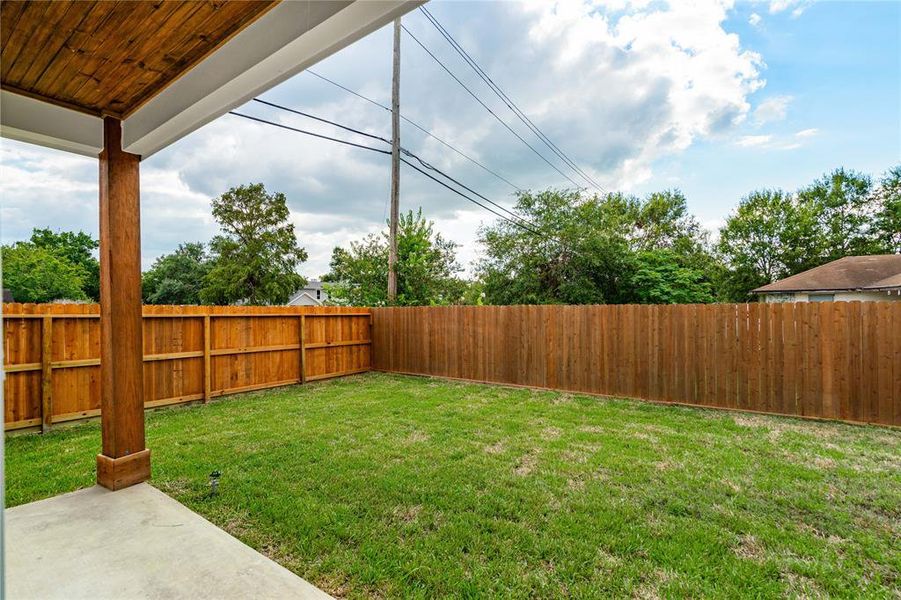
[(851, 273)]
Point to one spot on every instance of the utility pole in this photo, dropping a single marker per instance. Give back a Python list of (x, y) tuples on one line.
[(395, 167)]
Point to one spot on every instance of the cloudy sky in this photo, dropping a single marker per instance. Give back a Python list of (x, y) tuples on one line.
[(712, 97)]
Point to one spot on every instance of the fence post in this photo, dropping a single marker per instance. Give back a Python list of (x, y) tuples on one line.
[(303, 349), (207, 375), (46, 373)]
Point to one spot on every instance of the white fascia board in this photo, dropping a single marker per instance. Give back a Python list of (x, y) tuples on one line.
[(37, 122), (289, 38)]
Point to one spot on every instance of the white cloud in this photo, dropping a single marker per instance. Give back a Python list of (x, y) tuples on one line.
[(45, 188), (678, 76), (755, 19), (772, 109), (617, 88), (797, 7), (781, 142), (749, 141)]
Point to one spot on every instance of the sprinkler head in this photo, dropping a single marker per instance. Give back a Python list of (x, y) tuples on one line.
[(214, 482)]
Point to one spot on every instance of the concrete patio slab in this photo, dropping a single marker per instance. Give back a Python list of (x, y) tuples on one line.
[(134, 543)]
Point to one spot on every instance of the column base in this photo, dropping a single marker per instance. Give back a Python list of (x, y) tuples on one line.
[(118, 473)]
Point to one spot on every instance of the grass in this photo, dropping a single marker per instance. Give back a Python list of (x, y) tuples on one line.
[(381, 485)]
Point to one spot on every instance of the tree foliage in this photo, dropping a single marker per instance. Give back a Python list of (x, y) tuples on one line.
[(593, 250), (664, 277), (775, 234), (36, 274), (76, 248), (887, 222), (256, 255), (843, 204), (769, 236), (426, 267), (177, 278)]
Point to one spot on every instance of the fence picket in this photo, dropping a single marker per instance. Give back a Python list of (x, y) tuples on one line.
[(190, 353), (835, 360)]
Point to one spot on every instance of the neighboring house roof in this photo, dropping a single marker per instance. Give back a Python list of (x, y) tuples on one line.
[(303, 298), (889, 283), (308, 291), (851, 273)]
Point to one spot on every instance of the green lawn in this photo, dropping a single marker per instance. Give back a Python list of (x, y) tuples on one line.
[(380, 485)]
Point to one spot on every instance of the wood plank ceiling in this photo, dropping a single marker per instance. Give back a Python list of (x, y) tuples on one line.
[(108, 58)]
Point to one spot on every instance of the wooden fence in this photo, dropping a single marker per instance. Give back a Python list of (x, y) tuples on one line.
[(827, 360), (52, 354)]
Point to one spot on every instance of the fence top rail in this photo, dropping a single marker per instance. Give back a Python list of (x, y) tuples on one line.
[(712, 305), (182, 315)]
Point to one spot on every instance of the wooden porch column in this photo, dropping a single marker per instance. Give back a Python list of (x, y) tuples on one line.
[(125, 460)]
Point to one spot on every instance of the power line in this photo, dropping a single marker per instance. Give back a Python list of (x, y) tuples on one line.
[(347, 89), (304, 131), (464, 186), (518, 222), (420, 128), (458, 192), (486, 107), (381, 139), (386, 152), (320, 119), (505, 98)]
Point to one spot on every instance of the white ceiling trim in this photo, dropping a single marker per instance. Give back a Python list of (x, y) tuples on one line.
[(289, 38), (29, 120)]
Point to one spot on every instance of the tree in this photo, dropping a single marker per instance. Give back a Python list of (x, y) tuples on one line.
[(663, 222), (177, 278), (570, 251), (770, 235), (77, 249), (255, 258), (887, 222), (774, 234), (359, 276), (36, 274), (663, 277), (578, 250), (426, 268), (844, 207)]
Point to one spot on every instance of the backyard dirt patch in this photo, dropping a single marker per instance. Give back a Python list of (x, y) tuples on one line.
[(526, 464), (496, 448), (407, 514), (418, 437), (749, 548), (551, 433)]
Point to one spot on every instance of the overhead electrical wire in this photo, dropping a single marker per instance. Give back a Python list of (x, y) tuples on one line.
[(321, 120), (459, 193), (306, 132), (506, 99), (488, 108), (518, 221), (403, 150), (420, 128)]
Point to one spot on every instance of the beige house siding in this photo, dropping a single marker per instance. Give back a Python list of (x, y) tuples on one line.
[(837, 296)]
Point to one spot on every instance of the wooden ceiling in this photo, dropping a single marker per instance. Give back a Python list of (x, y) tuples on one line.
[(106, 57)]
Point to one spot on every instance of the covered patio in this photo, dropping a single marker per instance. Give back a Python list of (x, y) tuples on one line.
[(136, 543), (120, 82)]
